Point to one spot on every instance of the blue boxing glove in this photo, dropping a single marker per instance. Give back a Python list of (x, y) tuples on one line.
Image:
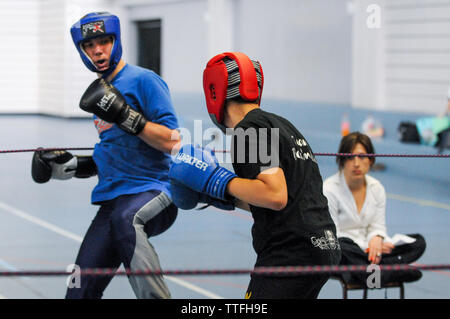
[(183, 197), (186, 198), (198, 169)]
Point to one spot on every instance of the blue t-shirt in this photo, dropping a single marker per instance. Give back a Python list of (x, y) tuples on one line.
[(125, 163)]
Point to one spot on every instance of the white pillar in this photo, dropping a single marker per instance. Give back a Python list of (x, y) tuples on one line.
[(219, 19), (368, 49)]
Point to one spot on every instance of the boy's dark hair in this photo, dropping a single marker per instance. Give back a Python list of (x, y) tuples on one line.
[(349, 142)]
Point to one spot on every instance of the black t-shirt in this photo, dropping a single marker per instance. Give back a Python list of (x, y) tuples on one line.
[(303, 233)]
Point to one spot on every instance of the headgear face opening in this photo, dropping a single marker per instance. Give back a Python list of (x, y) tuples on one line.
[(94, 25), (230, 75)]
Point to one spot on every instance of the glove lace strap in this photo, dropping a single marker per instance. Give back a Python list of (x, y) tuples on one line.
[(217, 184)]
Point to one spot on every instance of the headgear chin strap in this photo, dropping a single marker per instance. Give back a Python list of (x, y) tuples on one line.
[(94, 25), (230, 75)]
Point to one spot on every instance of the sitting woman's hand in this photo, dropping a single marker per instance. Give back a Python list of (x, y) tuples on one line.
[(375, 249)]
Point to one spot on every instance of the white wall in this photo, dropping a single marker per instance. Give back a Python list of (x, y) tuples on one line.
[(368, 55), (52, 57), (311, 50), (41, 71), (304, 47), (19, 59), (418, 55), (404, 65)]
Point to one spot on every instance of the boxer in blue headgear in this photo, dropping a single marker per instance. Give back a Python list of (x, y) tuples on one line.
[(136, 123), (95, 25)]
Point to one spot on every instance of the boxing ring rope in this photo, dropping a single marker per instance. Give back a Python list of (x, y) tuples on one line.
[(47, 149), (267, 271), (225, 151)]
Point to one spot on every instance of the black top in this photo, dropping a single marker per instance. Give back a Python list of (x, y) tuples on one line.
[(303, 233)]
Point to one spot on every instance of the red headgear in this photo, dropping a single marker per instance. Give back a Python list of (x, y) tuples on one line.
[(229, 75)]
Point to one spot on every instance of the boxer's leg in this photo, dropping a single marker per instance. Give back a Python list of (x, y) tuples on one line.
[(128, 221), (96, 251)]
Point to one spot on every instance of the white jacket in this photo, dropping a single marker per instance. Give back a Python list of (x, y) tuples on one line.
[(360, 227)]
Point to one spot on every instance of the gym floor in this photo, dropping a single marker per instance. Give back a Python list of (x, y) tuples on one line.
[(42, 225)]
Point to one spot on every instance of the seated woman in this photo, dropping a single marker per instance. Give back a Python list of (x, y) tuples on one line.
[(357, 204)]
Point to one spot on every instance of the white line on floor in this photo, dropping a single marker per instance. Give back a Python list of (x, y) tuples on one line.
[(19, 281), (418, 201), (4, 264), (77, 238), (40, 222), (190, 286)]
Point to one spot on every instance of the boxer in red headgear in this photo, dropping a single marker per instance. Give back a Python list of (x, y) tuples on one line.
[(231, 75), (276, 178)]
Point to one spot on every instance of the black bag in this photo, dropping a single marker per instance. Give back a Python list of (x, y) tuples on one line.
[(443, 140), (408, 133)]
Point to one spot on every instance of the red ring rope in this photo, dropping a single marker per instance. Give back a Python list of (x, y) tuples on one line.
[(225, 151), (288, 270)]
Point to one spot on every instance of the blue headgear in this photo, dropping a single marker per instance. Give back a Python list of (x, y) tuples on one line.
[(93, 25)]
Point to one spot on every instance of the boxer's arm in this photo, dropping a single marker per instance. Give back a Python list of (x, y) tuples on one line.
[(105, 101), (268, 189), (161, 137), (257, 185), (156, 105)]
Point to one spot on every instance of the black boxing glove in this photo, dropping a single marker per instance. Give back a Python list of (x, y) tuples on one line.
[(105, 101), (60, 165)]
